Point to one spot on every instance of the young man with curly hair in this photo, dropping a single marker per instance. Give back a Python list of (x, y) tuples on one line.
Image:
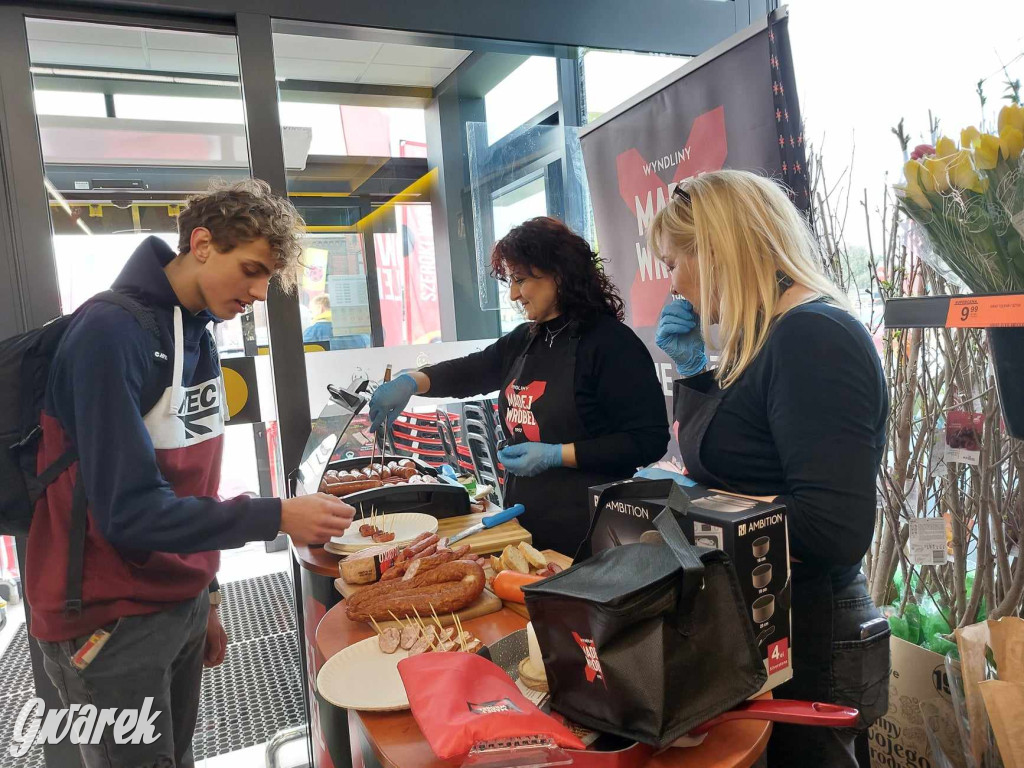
[(144, 409)]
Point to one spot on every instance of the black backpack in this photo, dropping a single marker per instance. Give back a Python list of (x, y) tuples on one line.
[(24, 371)]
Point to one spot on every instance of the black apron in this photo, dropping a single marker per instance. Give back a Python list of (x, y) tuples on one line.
[(538, 404), (822, 670), (693, 411)]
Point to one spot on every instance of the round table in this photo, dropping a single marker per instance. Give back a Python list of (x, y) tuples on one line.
[(397, 742)]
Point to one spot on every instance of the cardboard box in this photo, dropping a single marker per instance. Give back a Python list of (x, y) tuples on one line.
[(919, 702), (754, 535)]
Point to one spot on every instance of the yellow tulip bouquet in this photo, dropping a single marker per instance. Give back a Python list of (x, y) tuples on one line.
[(970, 202)]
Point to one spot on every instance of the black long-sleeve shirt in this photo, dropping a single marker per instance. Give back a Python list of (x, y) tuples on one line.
[(806, 422), (618, 397)]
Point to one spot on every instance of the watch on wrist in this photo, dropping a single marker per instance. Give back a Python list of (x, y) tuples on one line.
[(216, 598)]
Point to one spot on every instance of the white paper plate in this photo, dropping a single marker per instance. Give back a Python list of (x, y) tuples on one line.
[(363, 677), (406, 525)]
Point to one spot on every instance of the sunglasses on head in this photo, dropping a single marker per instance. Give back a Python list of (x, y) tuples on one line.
[(680, 193)]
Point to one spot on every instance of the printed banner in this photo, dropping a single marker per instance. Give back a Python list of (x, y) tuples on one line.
[(735, 110)]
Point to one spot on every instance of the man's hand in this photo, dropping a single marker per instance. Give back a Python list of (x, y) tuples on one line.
[(216, 640), (315, 519)]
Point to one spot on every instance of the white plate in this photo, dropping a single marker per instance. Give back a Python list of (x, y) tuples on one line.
[(363, 677), (406, 525)]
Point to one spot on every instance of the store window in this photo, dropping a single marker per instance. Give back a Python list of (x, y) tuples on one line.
[(70, 103), (189, 109), (612, 77), (511, 208), (525, 93), (363, 188), (516, 169)]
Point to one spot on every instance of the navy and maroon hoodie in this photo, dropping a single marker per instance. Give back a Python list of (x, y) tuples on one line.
[(155, 524)]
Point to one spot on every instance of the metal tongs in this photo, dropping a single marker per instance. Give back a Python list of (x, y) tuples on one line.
[(384, 433)]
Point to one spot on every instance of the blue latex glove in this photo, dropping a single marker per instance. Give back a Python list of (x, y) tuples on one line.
[(656, 473), (389, 399), (529, 459), (679, 337)]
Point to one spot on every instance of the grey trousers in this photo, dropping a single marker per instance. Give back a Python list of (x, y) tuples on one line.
[(158, 655)]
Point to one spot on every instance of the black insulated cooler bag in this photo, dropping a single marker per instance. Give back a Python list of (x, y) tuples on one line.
[(648, 640)]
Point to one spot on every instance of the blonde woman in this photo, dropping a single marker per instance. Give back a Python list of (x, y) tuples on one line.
[(796, 410)]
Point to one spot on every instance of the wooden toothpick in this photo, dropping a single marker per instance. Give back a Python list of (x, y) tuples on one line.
[(418, 619), (458, 628)]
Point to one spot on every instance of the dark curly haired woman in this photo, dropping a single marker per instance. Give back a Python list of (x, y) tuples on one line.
[(580, 400)]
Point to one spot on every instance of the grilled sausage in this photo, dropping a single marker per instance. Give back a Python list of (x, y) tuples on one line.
[(425, 564), (422, 543), (447, 588), (413, 547), (412, 570), (344, 489)]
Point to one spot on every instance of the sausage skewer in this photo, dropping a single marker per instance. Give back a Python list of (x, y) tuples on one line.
[(410, 632), (366, 529), (386, 532)]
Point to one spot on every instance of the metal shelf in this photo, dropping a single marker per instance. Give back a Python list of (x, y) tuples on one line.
[(973, 310)]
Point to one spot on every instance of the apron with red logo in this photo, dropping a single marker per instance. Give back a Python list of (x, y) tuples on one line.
[(538, 404)]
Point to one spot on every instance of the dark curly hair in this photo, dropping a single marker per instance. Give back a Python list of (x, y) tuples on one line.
[(547, 245)]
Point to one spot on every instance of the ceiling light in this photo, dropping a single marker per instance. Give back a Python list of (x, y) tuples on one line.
[(134, 76)]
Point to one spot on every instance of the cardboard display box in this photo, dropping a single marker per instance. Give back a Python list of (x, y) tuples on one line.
[(919, 703), (753, 533)]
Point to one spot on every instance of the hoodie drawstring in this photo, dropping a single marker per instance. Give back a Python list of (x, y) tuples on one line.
[(177, 388)]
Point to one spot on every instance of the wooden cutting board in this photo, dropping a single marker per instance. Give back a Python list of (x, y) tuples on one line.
[(483, 605), (488, 540), (553, 557)]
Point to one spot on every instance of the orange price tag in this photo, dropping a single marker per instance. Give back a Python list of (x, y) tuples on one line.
[(986, 311)]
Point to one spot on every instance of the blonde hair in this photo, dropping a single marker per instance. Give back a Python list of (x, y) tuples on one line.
[(321, 303), (743, 230)]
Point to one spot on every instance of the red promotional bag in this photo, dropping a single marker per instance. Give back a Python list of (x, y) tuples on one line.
[(459, 699)]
